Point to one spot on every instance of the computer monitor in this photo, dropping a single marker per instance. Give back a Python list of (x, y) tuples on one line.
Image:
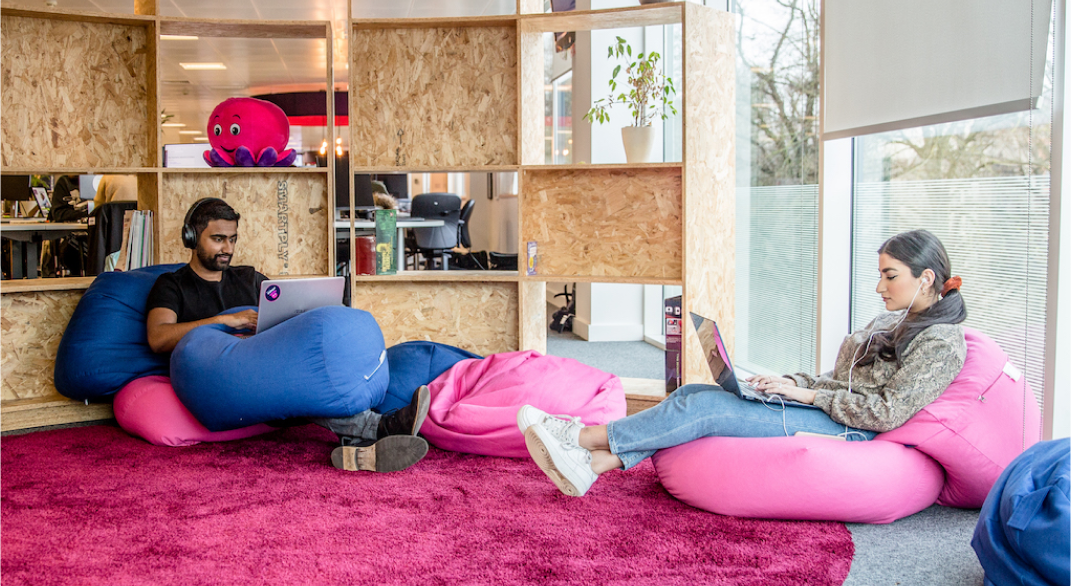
[(397, 184), (362, 191), (87, 186), (15, 188)]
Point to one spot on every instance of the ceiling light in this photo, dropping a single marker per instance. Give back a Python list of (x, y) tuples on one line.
[(323, 147), (177, 38), (173, 125), (203, 66), (201, 138), (189, 132)]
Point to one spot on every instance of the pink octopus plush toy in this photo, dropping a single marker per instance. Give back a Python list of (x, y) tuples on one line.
[(247, 132)]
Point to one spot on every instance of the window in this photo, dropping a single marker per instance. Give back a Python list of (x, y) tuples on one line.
[(777, 185)]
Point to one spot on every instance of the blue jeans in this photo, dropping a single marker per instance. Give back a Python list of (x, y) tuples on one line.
[(695, 411)]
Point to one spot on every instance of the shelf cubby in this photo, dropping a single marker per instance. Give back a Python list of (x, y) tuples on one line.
[(604, 221), (285, 225), (433, 93)]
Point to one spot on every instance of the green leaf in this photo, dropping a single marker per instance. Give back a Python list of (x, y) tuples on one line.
[(617, 70), (629, 47)]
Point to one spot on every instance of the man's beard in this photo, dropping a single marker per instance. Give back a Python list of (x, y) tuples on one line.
[(218, 262)]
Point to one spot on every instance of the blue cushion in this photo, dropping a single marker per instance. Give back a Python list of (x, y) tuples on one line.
[(329, 362), (1023, 534), (417, 363), (105, 345)]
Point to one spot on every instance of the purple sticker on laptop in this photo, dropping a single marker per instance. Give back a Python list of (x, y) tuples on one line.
[(272, 293)]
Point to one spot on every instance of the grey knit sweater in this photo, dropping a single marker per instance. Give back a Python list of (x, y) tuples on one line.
[(885, 395)]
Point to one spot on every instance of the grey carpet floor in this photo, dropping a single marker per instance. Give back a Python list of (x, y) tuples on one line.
[(930, 548)]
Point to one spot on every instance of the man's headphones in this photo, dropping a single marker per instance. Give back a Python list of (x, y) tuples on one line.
[(189, 233)]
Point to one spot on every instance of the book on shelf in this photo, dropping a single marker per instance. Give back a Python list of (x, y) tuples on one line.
[(137, 248)]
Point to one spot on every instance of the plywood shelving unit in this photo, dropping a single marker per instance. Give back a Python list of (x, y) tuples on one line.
[(80, 95), (467, 94)]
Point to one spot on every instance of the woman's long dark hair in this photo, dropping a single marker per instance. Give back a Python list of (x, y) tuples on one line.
[(919, 250)]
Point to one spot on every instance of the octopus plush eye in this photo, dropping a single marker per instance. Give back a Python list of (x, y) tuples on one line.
[(217, 129), (235, 129)]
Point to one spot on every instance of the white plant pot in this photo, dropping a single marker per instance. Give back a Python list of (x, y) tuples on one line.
[(639, 143)]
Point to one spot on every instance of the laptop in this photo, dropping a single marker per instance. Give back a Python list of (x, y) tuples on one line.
[(283, 299), (722, 368)]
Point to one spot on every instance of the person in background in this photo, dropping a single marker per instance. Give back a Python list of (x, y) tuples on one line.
[(116, 188), (196, 294), (884, 375)]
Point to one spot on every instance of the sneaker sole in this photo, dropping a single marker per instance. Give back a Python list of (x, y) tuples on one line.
[(423, 405), (542, 458), (390, 454)]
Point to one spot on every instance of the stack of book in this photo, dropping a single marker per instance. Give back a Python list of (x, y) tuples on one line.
[(137, 241)]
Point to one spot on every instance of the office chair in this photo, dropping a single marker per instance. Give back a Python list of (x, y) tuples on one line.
[(106, 233), (437, 241), (463, 238)]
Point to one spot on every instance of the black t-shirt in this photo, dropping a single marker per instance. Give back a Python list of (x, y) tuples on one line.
[(193, 298)]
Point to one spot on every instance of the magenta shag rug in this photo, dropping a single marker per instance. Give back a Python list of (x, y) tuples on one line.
[(92, 505)]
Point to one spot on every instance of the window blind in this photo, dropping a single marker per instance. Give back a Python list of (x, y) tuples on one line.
[(996, 233), (896, 65)]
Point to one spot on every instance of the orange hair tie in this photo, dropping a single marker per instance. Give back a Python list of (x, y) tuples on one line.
[(950, 284)]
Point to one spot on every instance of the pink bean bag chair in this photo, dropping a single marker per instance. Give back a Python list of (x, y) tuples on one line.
[(148, 408), (474, 404), (958, 446)]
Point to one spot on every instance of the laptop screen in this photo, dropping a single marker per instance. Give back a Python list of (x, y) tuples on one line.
[(715, 354)]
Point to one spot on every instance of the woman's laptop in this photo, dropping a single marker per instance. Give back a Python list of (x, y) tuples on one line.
[(722, 368), (283, 299)]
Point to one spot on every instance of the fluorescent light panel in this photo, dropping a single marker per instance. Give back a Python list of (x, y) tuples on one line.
[(178, 38), (203, 66), (173, 125), (189, 132)]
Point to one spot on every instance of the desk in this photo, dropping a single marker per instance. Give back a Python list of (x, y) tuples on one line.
[(399, 241), (26, 239)]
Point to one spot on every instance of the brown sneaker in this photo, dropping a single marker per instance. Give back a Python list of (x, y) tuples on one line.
[(390, 454), (408, 419)]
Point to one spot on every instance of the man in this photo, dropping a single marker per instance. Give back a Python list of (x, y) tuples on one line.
[(197, 293)]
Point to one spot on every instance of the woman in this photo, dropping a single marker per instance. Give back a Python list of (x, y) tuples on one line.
[(884, 374)]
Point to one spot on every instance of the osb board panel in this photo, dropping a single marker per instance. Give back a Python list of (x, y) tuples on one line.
[(479, 317), (604, 222), (533, 110), (533, 307), (433, 96), (283, 230), (74, 94), (31, 325), (710, 181)]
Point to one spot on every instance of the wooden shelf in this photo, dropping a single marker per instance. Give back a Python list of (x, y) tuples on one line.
[(602, 167), (413, 23), (589, 20), (31, 413), (32, 285), (76, 170), (244, 29), (243, 170), (411, 276), (439, 169), (77, 15), (603, 279)]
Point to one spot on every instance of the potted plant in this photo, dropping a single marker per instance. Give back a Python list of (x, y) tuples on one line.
[(649, 95)]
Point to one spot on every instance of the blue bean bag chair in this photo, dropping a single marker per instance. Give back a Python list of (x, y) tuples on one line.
[(105, 345), (413, 364), (1022, 536), (328, 362)]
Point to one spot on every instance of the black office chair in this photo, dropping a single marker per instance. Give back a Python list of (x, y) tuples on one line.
[(432, 242), (106, 233), (463, 238)]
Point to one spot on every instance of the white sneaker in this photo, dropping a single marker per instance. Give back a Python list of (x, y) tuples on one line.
[(554, 447), (529, 416)]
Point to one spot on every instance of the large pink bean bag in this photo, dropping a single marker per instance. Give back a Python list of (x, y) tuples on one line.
[(805, 478), (982, 422), (148, 408), (474, 404), (985, 418)]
